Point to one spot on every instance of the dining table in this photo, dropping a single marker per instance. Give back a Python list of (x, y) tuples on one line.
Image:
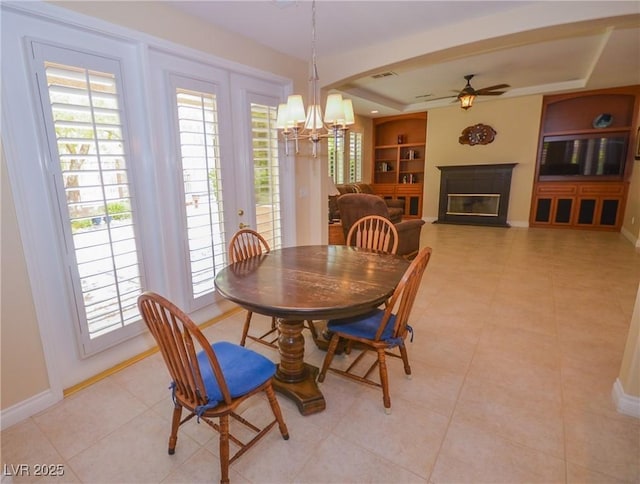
[(311, 282)]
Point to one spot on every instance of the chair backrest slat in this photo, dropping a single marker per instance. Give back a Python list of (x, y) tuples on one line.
[(402, 299), (374, 232), (246, 243)]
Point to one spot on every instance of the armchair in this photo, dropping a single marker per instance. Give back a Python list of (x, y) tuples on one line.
[(396, 207), (354, 206)]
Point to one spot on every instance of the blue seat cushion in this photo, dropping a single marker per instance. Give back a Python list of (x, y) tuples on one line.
[(244, 370), (365, 326)]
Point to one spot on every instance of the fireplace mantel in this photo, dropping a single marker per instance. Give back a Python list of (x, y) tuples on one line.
[(483, 191)]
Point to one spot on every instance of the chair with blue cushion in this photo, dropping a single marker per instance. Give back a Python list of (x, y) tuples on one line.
[(209, 380), (379, 331)]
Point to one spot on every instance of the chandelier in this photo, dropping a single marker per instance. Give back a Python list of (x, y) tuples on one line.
[(297, 125)]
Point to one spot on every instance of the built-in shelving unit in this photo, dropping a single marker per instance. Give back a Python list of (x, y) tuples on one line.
[(399, 148), (584, 159)]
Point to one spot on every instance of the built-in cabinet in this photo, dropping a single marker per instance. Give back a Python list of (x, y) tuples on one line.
[(584, 159), (399, 148)]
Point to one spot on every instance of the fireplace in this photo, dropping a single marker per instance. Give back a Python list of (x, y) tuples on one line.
[(475, 194)]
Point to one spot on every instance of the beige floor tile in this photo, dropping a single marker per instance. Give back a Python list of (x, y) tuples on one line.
[(135, 452), (202, 467), (610, 446), (452, 352), (24, 450), (519, 416), (338, 461), (86, 417), (274, 459), (410, 436), (430, 386), (527, 378), (579, 475), (463, 323), (473, 455), (148, 380), (513, 314), (522, 345)]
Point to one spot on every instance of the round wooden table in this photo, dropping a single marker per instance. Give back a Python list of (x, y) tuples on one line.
[(309, 282)]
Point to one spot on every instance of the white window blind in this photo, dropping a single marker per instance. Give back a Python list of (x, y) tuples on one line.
[(266, 173), (95, 198), (341, 170), (202, 182), (355, 157), (336, 159)]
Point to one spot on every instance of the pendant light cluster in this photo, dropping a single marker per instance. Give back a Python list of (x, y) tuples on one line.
[(296, 124)]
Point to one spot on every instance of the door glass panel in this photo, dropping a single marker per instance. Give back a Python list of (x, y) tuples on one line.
[(203, 204), (266, 172)]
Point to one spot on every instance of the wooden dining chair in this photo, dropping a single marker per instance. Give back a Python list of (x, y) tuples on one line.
[(379, 331), (244, 244), (374, 232), (209, 380)]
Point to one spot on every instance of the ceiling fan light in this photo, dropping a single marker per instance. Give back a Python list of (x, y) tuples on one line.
[(466, 100)]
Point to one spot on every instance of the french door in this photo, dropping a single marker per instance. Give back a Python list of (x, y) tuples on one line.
[(222, 162)]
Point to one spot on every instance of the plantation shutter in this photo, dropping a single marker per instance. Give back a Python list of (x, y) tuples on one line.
[(202, 183), (94, 198), (266, 170), (355, 157)]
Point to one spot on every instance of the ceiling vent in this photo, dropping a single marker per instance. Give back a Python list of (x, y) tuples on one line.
[(384, 74)]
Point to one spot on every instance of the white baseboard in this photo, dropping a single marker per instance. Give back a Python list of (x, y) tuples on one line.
[(518, 223), (630, 237), (25, 409), (627, 404)]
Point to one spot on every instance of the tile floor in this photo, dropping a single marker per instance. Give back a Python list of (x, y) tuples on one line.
[(519, 339)]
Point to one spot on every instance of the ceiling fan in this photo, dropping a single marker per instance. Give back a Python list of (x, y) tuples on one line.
[(468, 93)]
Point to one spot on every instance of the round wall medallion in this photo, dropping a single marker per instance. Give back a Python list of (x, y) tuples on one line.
[(478, 134)]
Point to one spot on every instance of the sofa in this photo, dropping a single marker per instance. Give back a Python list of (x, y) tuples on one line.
[(396, 207), (354, 206)]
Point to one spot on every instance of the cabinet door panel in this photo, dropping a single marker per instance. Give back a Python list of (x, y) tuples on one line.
[(587, 211), (563, 211), (608, 215), (543, 210)]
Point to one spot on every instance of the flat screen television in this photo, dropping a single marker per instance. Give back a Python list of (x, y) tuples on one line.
[(585, 155)]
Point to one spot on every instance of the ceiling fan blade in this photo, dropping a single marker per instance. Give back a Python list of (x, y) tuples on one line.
[(493, 88), (439, 98), (489, 93)]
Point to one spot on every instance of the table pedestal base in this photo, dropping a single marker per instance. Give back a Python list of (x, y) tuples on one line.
[(304, 393)]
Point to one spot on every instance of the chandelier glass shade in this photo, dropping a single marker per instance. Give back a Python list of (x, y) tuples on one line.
[(297, 124)]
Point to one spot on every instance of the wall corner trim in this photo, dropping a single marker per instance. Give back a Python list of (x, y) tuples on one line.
[(626, 404)]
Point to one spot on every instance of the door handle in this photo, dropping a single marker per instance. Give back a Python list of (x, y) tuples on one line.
[(242, 226)]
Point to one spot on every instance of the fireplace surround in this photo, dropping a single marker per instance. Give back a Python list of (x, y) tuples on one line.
[(475, 194)]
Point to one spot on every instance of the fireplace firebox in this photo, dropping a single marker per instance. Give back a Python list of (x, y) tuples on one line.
[(475, 194)]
